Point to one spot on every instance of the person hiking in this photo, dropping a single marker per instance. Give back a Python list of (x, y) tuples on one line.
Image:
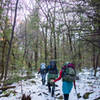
[(52, 74), (42, 71), (68, 75)]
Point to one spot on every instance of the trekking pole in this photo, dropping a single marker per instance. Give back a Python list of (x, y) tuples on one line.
[(75, 90), (76, 93)]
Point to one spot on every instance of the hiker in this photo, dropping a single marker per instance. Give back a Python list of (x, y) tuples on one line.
[(68, 75), (52, 74), (42, 71)]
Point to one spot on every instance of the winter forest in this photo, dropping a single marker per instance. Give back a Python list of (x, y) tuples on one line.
[(36, 31)]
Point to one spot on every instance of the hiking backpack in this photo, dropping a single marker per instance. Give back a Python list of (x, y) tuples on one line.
[(42, 66), (52, 64), (68, 73), (52, 71)]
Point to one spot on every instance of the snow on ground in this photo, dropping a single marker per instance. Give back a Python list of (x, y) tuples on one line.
[(33, 87)]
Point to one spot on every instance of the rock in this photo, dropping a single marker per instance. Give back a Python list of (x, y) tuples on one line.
[(57, 94), (33, 82), (45, 93), (39, 94), (60, 97), (86, 95), (78, 95)]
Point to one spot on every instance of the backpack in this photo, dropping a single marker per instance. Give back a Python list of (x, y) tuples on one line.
[(42, 66), (52, 64), (52, 71), (68, 73), (53, 68)]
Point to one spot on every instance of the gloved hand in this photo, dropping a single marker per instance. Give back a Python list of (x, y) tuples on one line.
[(52, 81)]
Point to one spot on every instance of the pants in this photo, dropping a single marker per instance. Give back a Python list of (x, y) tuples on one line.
[(43, 78), (66, 96), (51, 88)]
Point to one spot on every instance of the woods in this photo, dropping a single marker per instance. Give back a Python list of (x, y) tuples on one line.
[(43, 30)]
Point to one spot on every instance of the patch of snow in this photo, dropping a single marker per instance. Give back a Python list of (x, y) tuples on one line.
[(37, 91)]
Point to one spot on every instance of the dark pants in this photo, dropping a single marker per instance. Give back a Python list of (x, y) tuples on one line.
[(51, 88), (66, 96)]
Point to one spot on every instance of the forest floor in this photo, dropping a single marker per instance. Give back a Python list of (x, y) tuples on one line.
[(88, 88)]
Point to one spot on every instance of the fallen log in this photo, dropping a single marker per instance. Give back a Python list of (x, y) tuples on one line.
[(6, 95), (6, 87)]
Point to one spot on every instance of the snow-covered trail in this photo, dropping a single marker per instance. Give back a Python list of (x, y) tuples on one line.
[(37, 91)]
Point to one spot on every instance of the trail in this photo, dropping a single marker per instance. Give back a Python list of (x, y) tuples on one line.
[(37, 91)]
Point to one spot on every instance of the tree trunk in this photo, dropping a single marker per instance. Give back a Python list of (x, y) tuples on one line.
[(36, 53), (64, 57), (7, 87), (25, 46), (46, 56), (51, 46), (4, 39), (79, 54), (55, 48), (10, 43), (2, 60), (97, 63), (29, 72), (93, 57)]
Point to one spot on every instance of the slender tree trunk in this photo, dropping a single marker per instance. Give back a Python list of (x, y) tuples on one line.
[(70, 42), (58, 47), (51, 46), (29, 72), (64, 57), (36, 53), (25, 46), (97, 63), (10, 43), (79, 54), (93, 61), (46, 55), (3, 57), (36, 59), (55, 48), (44, 31)]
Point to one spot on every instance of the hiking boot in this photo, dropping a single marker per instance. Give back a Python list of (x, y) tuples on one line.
[(52, 94)]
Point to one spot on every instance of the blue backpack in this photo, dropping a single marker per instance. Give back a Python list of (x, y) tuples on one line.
[(43, 68)]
